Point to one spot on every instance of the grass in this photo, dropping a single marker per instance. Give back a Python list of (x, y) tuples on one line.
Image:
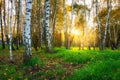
[(63, 64), (34, 61), (100, 70)]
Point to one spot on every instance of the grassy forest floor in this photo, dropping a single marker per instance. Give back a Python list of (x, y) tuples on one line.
[(63, 64)]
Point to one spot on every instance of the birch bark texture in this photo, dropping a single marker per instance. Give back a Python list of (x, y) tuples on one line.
[(46, 26), (99, 30), (10, 28), (107, 23), (27, 37)]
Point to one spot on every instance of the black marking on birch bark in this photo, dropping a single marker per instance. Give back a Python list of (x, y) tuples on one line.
[(27, 13), (29, 2), (28, 10), (47, 0), (47, 18), (47, 6), (28, 19)]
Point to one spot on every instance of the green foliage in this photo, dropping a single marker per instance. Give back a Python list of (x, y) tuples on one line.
[(104, 65), (64, 64), (100, 70), (34, 61), (77, 58), (9, 72)]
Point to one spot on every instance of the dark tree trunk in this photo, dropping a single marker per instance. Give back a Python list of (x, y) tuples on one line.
[(18, 25), (3, 44), (54, 21)]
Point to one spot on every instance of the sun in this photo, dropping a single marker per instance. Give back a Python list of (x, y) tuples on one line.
[(75, 32)]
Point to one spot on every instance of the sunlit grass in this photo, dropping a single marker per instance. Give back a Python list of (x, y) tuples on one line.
[(100, 70), (95, 64)]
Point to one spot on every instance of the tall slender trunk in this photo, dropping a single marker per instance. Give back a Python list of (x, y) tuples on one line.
[(54, 21), (82, 40), (36, 25), (115, 28), (10, 29), (27, 37), (4, 17), (41, 27), (3, 44), (64, 23), (18, 23), (94, 26), (109, 32), (107, 22), (110, 38), (99, 26), (71, 25), (46, 26)]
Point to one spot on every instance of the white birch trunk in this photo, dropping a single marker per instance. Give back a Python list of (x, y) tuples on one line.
[(107, 23), (46, 26), (98, 23), (27, 28), (64, 23), (10, 29)]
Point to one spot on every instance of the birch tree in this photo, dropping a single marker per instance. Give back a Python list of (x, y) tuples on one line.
[(18, 22), (71, 25), (94, 28), (27, 37), (64, 23), (4, 17), (46, 26), (21, 17), (41, 21), (54, 20), (109, 31), (98, 24), (2, 32), (107, 23), (10, 29)]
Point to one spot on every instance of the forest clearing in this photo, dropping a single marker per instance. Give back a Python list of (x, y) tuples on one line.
[(62, 65), (59, 40)]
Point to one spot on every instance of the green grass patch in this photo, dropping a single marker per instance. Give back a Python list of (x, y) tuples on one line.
[(9, 72), (89, 65), (34, 60), (100, 70)]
